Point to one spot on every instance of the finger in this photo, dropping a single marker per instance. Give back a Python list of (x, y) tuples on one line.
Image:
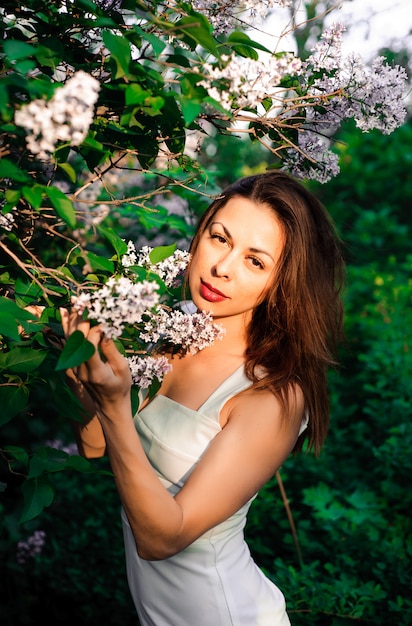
[(64, 314), (117, 361), (36, 309), (73, 321)]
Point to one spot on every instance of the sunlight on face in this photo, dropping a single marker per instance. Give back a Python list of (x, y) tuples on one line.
[(234, 263)]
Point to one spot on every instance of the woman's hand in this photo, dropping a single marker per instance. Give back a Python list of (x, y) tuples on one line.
[(106, 375)]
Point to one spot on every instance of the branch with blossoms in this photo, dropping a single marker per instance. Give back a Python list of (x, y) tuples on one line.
[(144, 314), (294, 108), (101, 127), (308, 100)]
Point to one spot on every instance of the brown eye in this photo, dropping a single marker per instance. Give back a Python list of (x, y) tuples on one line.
[(256, 262), (218, 237)]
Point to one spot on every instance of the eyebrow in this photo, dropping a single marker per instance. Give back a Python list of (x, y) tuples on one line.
[(229, 236)]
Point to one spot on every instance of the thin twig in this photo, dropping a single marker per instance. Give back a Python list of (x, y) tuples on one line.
[(290, 516)]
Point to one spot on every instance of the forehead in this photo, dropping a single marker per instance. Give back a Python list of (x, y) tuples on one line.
[(248, 217)]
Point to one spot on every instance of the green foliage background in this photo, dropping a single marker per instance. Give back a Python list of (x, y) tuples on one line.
[(351, 507)]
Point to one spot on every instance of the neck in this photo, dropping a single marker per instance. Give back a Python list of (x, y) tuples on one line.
[(234, 340)]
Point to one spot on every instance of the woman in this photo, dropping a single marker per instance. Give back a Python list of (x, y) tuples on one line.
[(265, 261)]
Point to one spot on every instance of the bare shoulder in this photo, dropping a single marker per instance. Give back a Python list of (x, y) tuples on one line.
[(260, 408)]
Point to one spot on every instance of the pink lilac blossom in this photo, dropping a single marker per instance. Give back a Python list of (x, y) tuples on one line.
[(118, 303), (30, 548), (65, 117)]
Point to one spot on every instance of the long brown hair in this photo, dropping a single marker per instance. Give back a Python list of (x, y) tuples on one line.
[(294, 333)]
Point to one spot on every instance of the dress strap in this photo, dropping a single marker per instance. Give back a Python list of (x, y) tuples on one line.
[(234, 384)]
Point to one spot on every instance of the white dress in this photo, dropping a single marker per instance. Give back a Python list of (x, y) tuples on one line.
[(214, 581)]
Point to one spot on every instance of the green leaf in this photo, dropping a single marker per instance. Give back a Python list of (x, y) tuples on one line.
[(26, 292), (34, 195), (38, 494), (119, 245), (80, 464), (9, 326), (47, 57), (68, 170), (22, 360), (190, 109), (196, 31), (77, 349), (135, 94), (62, 205), (18, 453), (9, 170), (4, 100), (13, 400), (11, 316), (46, 460), (25, 66), (158, 217), (12, 196), (238, 37), (100, 262), (17, 50), (157, 44), (161, 252), (120, 51)]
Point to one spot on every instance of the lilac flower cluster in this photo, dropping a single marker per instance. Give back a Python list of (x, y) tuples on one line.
[(193, 331), (371, 96), (66, 117), (223, 14), (58, 444), (332, 88), (144, 369), (118, 303), (170, 270), (342, 88), (7, 221), (123, 302), (31, 548), (242, 83)]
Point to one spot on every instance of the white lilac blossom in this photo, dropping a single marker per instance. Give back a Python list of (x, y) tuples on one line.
[(70, 449), (7, 221), (121, 302), (118, 303), (30, 548), (65, 117), (314, 162), (144, 369), (170, 270), (193, 332), (341, 88), (224, 14), (371, 96), (130, 258), (242, 83)]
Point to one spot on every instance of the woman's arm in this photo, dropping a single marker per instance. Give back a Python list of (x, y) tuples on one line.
[(88, 433), (241, 458)]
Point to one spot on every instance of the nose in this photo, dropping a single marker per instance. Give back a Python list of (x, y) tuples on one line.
[(223, 266)]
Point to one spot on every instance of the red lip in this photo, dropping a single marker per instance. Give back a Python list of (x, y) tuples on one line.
[(211, 294)]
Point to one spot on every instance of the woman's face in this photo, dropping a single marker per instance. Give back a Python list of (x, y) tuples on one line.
[(233, 266)]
